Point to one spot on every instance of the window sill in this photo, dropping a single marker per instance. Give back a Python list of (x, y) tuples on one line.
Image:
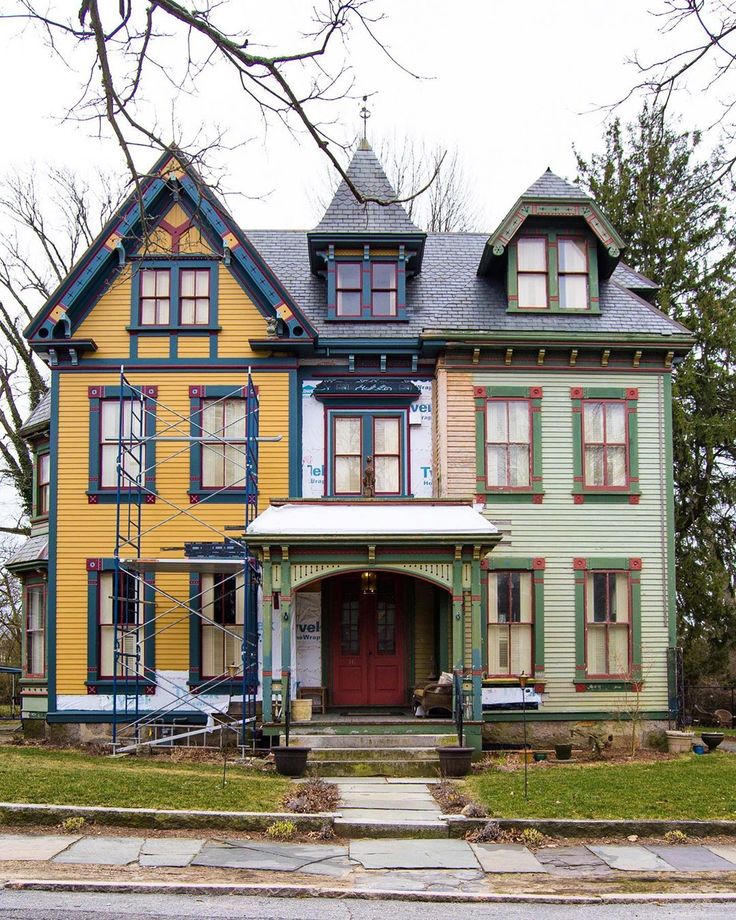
[(110, 497), (401, 318), (205, 328), (105, 687), (572, 311), (508, 496), (607, 497), (233, 497), (607, 685)]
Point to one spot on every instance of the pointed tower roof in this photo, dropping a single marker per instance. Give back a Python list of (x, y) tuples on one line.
[(549, 185), (347, 215)]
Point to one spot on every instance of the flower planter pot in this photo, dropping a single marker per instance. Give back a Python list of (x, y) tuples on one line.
[(563, 751), (539, 756), (291, 761), (455, 761), (679, 742), (301, 710), (712, 739)]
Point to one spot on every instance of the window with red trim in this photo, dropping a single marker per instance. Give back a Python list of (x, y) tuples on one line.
[(155, 296), (43, 484), (572, 273), (349, 288), (194, 296), (348, 454), (508, 443), (122, 596), (222, 625), (224, 443), (132, 429), (605, 444), (607, 624), (384, 288), (531, 256), (510, 623), (35, 630)]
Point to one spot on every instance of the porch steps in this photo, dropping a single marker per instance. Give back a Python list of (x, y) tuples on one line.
[(364, 742)]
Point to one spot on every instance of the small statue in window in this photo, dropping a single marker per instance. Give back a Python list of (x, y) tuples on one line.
[(369, 479)]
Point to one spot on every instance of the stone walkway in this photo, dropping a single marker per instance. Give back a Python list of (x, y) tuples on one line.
[(398, 864), (386, 800)]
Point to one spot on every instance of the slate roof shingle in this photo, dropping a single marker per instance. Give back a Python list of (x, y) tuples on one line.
[(40, 416), (345, 214), (449, 295), (35, 549), (549, 185)]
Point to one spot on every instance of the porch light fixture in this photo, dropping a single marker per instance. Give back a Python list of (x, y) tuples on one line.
[(368, 583)]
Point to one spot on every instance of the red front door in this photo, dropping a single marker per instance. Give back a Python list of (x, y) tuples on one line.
[(367, 637)]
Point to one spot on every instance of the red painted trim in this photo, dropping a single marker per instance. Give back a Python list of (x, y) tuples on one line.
[(183, 268), (576, 392), (579, 563), (605, 444), (507, 444), (606, 624)]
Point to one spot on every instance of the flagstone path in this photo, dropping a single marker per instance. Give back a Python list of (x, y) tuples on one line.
[(387, 800)]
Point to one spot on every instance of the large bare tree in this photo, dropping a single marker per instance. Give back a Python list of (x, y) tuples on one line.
[(50, 215)]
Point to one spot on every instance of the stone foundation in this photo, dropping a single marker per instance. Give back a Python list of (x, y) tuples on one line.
[(546, 734)]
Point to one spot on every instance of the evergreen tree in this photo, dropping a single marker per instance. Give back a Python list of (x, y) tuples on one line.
[(662, 197)]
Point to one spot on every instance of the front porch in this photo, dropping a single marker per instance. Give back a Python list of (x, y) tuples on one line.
[(369, 600)]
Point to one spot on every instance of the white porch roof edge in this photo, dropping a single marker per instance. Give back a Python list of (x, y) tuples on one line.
[(380, 520)]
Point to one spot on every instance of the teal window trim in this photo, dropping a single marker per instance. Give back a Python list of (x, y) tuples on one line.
[(553, 300), (534, 493), (197, 493), (366, 260), (96, 495), (630, 493), (174, 324), (367, 416), (633, 567), (536, 565), (95, 684)]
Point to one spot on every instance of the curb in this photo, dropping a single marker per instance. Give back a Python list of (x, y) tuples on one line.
[(458, 826), (363, 894)]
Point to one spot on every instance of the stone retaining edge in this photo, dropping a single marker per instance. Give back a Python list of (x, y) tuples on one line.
[(314, 891), (458, 826)]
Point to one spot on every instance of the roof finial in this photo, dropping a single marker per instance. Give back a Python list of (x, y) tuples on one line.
[(365, 115)]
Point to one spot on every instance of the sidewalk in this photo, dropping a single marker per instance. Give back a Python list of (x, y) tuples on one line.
[(439, 865)]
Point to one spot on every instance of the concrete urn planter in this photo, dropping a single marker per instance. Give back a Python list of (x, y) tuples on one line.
[(712, 739), (454, 760), (679, 742)]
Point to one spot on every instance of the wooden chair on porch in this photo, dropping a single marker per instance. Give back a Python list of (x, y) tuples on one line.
[(434, 697)]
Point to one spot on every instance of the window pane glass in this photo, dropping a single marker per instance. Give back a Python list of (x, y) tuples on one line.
[(202, 287), (212, 418), (621, 597), (234, 465), (616, 466), (532, 254), (384, 275), (492, 597), (347, 475), (526, 613), (347, 435), (600, 597), (521, 649), (148, 283), (518, 474), (187, 282), (574, 292), (387, 474), (596, 657), (533, 291), (386, 436), (503, 581), (496, 422), (235, 419), (618, 649), (496, 466), (162, 283), (348, 275), (615, 423), (213, 468), (519, 421), (594, 466), (498, 649), (593, 421), (384, 303), (187, 312), (348, 303), (349, 628), (162, 312), (572, 255), (148, 312)]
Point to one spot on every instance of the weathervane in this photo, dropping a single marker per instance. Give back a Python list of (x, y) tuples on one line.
[(365, 115)]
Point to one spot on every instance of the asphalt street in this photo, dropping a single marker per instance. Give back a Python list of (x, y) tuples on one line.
[(40, 905)]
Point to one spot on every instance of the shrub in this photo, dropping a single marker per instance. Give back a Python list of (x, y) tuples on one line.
[(675, 837), (281, 830), (72, 825), (531, 837)]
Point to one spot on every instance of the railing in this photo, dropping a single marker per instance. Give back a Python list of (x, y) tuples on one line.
[(286, 706), (458, 706)]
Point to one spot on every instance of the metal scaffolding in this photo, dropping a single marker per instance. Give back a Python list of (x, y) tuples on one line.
[(142, 421)]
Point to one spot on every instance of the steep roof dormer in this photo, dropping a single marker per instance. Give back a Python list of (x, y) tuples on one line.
[(554, 248), (366, 251)]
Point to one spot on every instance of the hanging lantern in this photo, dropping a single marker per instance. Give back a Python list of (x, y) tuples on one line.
[(368, 583)]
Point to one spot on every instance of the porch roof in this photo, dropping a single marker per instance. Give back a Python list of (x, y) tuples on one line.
[(379, 521)]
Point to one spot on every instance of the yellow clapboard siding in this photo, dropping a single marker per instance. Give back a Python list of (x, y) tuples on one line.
[(192, 242), (88, 531), (193, 346), (238, 316), (110, 316), (153, 346)]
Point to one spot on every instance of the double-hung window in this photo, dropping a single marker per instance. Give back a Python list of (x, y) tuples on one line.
[(531, 254), (124, 436), (35, 630), (120, 607), (510, 623), (384, 287), (349, 289), (224, 443), (607, 624), (194, 296), (222, 625), (179, 295), (572, 255), (508, 443), (362, 441), (43, 484), (155, 296), (605, 446)]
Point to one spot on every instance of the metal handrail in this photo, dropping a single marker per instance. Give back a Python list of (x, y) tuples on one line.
[(458, 708), (286, 706)]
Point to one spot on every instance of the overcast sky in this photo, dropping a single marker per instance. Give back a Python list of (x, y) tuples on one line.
[(513, 84)]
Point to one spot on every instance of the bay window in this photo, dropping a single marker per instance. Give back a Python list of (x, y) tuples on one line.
[(43, 484), (35, 630)]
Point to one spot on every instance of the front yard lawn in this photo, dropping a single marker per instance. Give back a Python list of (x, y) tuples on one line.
[(689, 787), (32, 774)]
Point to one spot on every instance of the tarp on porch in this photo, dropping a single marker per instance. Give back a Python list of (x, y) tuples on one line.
[(356, 519)]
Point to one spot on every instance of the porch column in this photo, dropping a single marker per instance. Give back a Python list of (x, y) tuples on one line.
[(457, 611), (267, 627), (476, 625), (285, 622)]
